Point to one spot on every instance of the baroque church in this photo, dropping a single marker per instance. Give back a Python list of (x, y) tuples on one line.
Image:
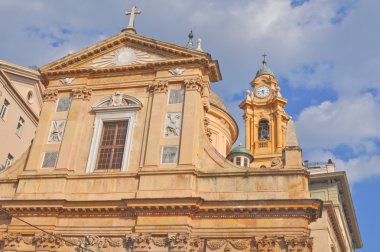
[(133, 153)]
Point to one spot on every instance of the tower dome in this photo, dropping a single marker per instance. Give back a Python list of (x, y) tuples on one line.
[(240, 156), (264, 69)]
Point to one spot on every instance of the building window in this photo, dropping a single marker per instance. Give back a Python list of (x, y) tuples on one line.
[(176, 96), (20, 126), (63, 104), (169, 154), (9, 160), (246, 162), (113, 128), (29, 96), (238, 161), (4, 109), (264, 130), (112, 143), (50, 160)]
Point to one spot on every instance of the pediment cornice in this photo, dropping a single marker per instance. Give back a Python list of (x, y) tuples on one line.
[(173, 55)]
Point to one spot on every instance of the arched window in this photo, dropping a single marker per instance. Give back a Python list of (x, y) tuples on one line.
[(263, 130)]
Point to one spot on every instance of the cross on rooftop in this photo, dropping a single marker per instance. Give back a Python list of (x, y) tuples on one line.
[(132, 12), (264, 60)]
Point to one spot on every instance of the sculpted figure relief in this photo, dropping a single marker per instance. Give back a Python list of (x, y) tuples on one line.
[(173, 124)]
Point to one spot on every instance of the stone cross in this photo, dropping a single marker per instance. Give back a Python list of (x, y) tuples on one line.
[(132, 12)]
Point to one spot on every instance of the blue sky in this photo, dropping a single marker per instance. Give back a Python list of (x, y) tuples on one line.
[(325, 54)]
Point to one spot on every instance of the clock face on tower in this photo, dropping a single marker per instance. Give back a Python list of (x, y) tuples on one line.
[(262, 91)]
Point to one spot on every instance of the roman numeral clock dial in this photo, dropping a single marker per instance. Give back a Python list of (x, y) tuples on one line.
[(262, 91)]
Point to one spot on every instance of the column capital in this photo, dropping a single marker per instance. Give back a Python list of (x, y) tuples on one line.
[(159, 86), (50, 95), (194, 84), (81, 93)]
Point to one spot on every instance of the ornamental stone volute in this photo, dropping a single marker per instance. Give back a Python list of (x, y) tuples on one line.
[(193, 84), (159, 86)]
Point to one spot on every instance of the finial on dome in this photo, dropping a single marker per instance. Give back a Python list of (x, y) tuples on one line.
[(190, 43), (264, 69)]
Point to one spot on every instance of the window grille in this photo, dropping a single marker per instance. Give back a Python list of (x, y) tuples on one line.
[(112, 143), (50, 159)]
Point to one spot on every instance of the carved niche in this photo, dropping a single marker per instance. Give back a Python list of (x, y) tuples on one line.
[(173, 124)]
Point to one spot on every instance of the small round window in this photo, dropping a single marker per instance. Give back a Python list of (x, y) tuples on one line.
[(29, 96)]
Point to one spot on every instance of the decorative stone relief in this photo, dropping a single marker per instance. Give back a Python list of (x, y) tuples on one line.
[(117, 99), (125, 56), (160, 86), (193, 84), (96, 243), (159, 241), (177, 71), (139, 242), (237, 244), (277, 163), (206, 123), (56, 131), (196, 245), (48, 242), (173, 124), (12, 240), (267, 244), (81, 93), (176, 96), (67, 81), (50, 95), (299, 244), (178, 242)]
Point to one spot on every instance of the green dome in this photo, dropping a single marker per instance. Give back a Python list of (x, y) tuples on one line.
[(240, 150), (264, 70)]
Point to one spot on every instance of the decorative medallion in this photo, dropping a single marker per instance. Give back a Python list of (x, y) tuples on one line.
[(125, 56), (177, 71), (66, 81)]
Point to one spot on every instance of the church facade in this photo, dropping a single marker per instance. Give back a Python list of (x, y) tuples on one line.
[(130, 155)]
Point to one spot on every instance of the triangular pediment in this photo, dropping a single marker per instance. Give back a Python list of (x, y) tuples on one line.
[(128, 50)]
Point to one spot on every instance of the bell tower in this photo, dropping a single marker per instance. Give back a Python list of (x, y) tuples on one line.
[(265, 118)]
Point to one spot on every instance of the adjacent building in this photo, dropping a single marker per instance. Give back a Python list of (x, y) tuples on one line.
[(337, 230), (20, 105)]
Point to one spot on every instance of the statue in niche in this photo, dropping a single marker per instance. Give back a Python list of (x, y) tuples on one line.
[(173, 124)]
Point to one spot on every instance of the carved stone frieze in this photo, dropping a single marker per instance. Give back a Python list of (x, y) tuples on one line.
[(50, 95), (299, 244), (81, 93), (196, 245), (159, 241), (48, 242), (13, 240), (194, 84), (178, 241), (160, 86), (229, 244), (139, 242), (97, 243)]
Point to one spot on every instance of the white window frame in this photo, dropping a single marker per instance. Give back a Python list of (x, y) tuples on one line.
[(4, 109), (102, 117), (8, 161), (20, 122)]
